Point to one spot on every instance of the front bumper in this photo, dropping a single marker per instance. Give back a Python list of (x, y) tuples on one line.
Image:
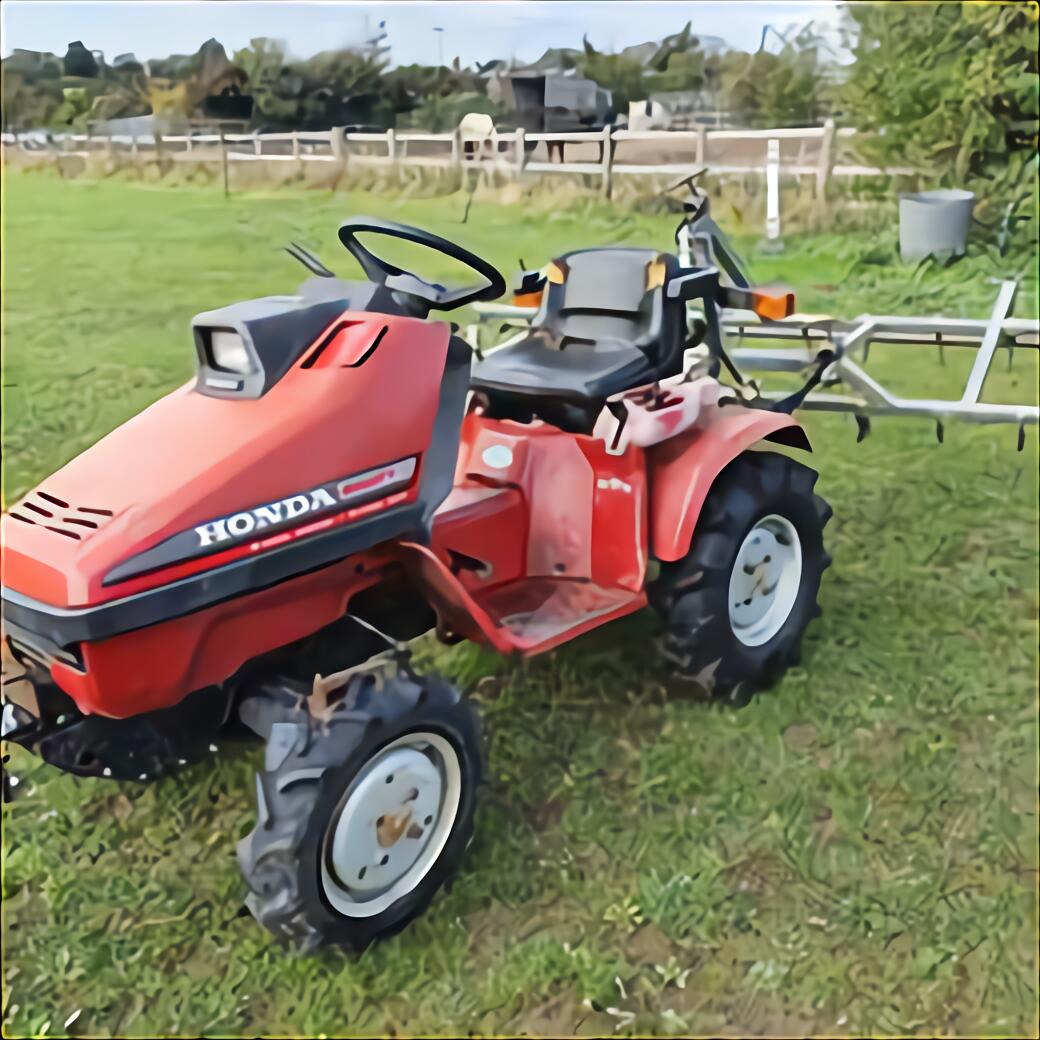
[(36, 714), (40, 717)]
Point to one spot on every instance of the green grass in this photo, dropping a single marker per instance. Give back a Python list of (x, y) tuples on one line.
[(854, 853)]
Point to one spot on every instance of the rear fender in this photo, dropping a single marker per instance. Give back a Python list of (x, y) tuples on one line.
[(682, 470)]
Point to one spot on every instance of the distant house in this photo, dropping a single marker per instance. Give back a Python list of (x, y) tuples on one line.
[(80, 62), (548, 96)]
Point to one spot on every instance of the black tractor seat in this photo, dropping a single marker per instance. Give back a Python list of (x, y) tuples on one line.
[(605, 325)]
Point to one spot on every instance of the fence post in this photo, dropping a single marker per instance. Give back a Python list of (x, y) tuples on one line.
[(456, 146), (133, 144), (702, 136), (340, 149), (391, 145), (773, 189), (224, 162), (296, 144), (521, 149), (608, 161), (826, 161)]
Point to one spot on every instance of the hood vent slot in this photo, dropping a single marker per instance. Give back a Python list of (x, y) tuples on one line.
[(59, 516)]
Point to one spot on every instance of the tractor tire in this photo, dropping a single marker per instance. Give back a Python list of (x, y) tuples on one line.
[(365, 809), (736, 606)]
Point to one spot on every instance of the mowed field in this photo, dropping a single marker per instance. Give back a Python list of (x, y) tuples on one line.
[(855, 852)]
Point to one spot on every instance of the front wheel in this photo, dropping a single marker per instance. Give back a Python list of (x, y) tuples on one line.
[(737, 605), (364, 812)]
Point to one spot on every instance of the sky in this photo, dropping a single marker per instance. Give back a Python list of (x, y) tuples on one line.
[(473, 30)]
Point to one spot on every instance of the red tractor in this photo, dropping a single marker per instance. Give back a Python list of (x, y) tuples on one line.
[(339, 479)]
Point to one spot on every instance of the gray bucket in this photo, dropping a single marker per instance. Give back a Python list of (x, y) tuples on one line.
[(934, 222)]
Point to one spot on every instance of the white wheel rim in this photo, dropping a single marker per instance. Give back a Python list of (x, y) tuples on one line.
[(764, 583), (391, 824)]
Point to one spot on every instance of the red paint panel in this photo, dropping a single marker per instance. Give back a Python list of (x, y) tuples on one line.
[(682, 470), (487, 524), (587, 508), (22, 565), (619, 530), (556, 480), (156, 667), (189, 457)]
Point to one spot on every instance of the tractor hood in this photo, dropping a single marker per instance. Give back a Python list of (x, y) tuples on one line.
[(199, 479)]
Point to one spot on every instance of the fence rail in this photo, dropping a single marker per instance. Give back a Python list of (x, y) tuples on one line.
[(606, 153)]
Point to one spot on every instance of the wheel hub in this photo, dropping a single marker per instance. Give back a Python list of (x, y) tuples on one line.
[(391, 825), (764, 583), (376, 840)]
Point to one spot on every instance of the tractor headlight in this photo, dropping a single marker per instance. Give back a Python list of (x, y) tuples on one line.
[(228, 352)]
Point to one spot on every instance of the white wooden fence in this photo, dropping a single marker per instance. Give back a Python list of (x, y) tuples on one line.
[(666, 152), (190, 147), (617, 153)]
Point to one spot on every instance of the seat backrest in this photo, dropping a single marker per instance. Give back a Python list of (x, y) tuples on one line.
[(607, 280), (614, 295)]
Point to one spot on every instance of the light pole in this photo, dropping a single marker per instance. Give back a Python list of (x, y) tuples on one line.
[(440, 44)]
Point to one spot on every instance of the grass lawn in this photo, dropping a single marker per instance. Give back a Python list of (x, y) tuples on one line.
[(856, 852)]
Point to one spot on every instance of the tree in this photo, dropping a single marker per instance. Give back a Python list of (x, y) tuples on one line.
[(951, 89), (683, 72), (435, 97), (678, 44), (624, 77), (767, 89), (31, 85), (330, 88)]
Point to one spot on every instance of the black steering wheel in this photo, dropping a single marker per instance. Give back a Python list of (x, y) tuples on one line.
[(420, 296)]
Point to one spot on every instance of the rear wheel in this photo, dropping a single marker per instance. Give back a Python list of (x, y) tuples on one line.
[(364, 812), (737, 605)]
